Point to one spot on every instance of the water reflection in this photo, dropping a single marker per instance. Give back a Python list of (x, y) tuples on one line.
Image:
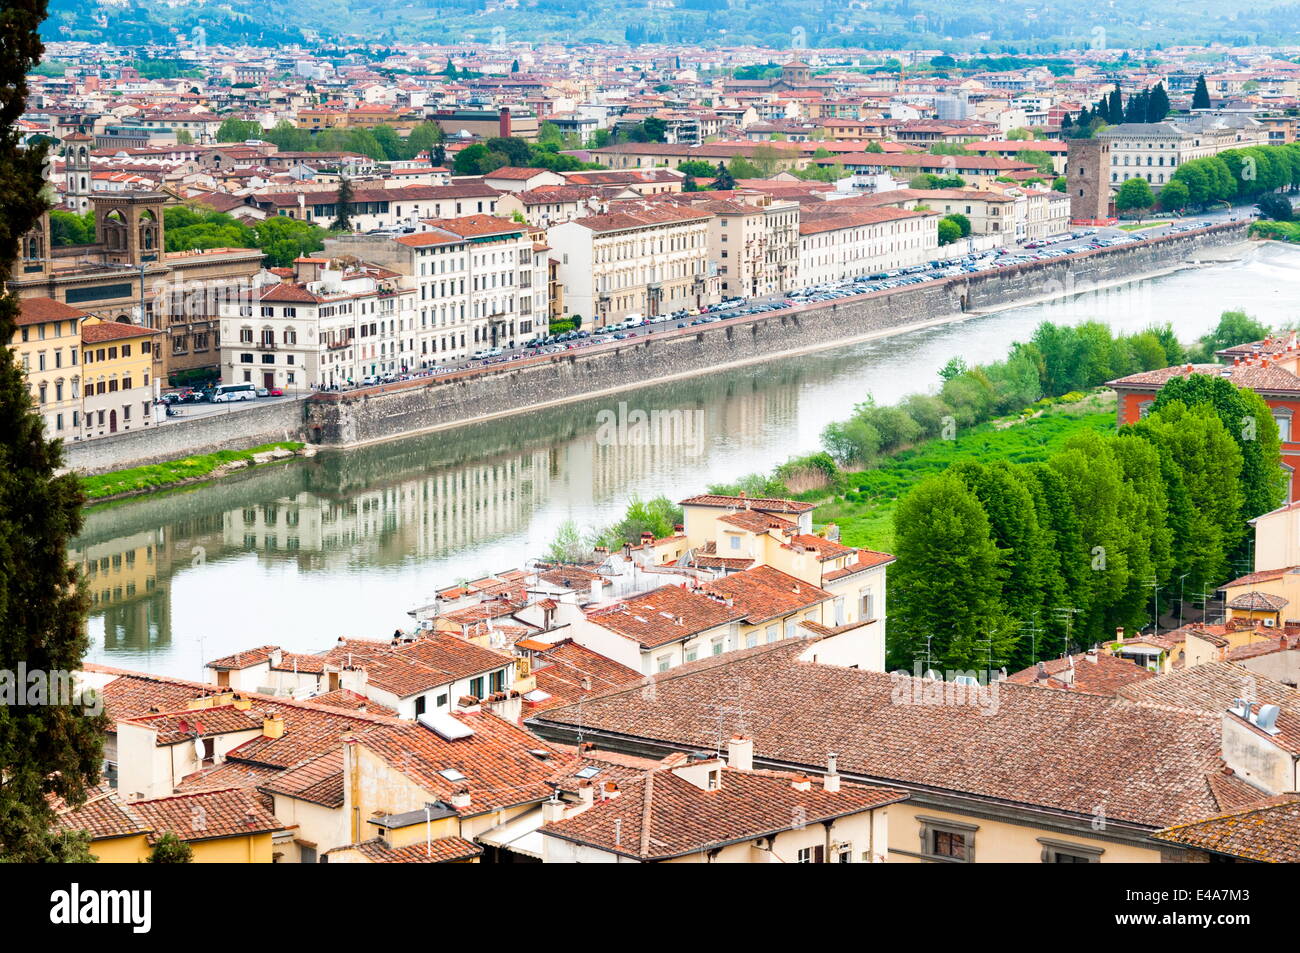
[(344, 543)]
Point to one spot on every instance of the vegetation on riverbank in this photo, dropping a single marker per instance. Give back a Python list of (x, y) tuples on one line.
[(864, 511), (160, 475)]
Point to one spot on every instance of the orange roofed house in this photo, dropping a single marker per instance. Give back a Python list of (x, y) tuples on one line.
[(1270, 367)]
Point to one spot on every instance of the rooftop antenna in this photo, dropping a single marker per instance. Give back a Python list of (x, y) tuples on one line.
[(1155, 587), (1067, 613), (1034, 632)]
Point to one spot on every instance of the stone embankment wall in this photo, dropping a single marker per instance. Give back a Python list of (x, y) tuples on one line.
[(414, 406), (382, 413)]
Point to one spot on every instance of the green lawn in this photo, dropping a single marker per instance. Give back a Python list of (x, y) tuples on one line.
[(1138, 226), (865, 514), (160, 475)]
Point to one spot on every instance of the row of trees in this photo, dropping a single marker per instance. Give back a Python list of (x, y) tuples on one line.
[(658, 515), (1001, 564), (1239, 175), (381, 143), (483, 157), (281, 238), (1149, 105), (1058, 360)]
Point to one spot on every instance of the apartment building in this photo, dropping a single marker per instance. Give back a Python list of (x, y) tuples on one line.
[(47, 345), (117, 362), (1154, 151), (835, 245), (481, 283), (331, 325), (639, 258), (384, 208)]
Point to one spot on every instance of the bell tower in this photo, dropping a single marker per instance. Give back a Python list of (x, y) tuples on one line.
[(129, 226), (79, 184), (34, 249)]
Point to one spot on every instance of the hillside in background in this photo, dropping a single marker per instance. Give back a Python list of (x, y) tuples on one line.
[(971, 25)]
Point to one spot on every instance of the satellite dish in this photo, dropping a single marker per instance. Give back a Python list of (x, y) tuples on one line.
[(198, 748)]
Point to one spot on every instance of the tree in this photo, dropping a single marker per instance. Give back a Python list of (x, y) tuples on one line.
[(514, 67), (1134, 196), (1247, 418), (343, 207), (568, 545), (1174, 197), (1038, 158), (53, 749), (962, 222), (949, 231), (723, 180), (170, 849), (1201, 97), (946, 583), (1158, 104), (1276, 207)]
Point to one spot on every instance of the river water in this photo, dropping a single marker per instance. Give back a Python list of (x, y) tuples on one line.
[(344, 543)]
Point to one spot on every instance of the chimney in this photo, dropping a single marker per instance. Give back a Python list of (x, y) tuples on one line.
[(273, 726), (609, 791), (587, 792), (503, 122), (801, 783), (740, 753), (460, 799), (1119, 633), (832, 780), (242, 702), (552, 811)]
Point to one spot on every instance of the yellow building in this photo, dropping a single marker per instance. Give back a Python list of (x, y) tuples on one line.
[(46, 345), (228, 826), (117, 362)]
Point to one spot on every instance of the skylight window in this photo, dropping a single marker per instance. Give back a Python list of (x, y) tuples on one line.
[(451, 774), (590, 771)]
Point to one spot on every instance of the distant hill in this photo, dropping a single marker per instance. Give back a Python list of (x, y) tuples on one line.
[(992, 26)]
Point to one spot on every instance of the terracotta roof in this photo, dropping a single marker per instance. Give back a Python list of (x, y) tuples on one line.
[(561, 670), (764, 593), (40, 310), (103, 815), (744, 502), (245, 659), (1271, 379), (1259, 601), (1095, 673), (206, 815), (1064, 752), (1211, 687), (1267, 831), (442, 850), (113, 331), (350, 701), (664, 615), (661, 815), (318, 780)]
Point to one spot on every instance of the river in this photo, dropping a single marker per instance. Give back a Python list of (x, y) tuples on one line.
[(344, 543)]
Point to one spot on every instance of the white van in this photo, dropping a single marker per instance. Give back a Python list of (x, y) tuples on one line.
[(228, 392)]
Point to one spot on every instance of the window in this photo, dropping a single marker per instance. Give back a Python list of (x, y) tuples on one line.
[(812, 855), (663, 663), (476, 687), (947, 839), (692, 653), (1064, 852), (1283, 427), (419, 706)]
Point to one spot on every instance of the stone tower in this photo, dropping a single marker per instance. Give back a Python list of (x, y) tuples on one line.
[(79, 184), (1088, 180), (129, 226)]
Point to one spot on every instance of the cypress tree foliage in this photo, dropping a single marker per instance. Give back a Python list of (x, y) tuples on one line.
[(45, 749), (1201, 97), (343, 204), (723, 180), (1158, 104)]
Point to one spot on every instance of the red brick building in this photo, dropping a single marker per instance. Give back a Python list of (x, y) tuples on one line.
[(1270, 367)]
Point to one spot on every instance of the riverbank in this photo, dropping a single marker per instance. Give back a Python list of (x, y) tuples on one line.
[(189, 471), (864, 511)]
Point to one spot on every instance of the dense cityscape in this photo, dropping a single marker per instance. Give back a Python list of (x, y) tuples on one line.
[(692, 431)]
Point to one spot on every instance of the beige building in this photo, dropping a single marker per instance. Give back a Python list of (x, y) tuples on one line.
[(638, 259), (838, 244), (1154, 151), (46, 344)]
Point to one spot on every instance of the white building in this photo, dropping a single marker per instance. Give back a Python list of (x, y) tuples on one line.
[(834, 246), (639, 258)]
